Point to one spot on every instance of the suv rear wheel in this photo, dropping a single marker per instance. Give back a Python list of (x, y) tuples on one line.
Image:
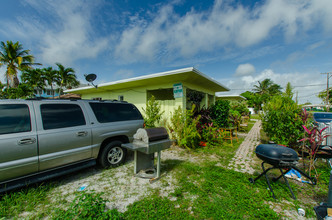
[(112, 154)]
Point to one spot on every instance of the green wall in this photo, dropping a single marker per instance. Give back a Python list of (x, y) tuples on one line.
[(138, 96)]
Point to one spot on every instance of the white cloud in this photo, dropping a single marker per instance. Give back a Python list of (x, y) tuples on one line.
[(123, 74), (69, 33), (223, 25), (306, 85), (245, 69), (65, 37)]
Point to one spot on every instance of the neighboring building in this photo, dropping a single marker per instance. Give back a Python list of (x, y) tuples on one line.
[(46, 93), (172, 89), (316, 107), (230, 97)]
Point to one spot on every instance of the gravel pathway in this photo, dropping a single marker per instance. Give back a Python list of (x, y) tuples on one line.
[(243, 157)]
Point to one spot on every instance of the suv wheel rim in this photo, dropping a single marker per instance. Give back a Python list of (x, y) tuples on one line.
[(115, 155)]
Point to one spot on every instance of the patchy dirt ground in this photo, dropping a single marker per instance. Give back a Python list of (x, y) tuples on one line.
[(122, 187)]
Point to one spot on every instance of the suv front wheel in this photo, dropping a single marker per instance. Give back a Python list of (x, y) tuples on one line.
[(112, 154)]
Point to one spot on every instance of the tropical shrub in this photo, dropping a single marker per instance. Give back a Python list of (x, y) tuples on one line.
[(240, 106), (211, 135), (192, 129), (183, 128), (22, 91), (220, 113), (234, 118), (282, 121), (152, 112), (315, 137)]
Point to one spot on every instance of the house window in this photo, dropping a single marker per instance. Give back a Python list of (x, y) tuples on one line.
[(161, 94), (194, 98)]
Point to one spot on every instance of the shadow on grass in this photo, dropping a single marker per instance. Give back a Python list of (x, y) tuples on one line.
[(170, 164)]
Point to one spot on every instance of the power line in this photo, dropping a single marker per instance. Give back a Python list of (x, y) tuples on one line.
[(316, 93), (292, 86), (309, 85)]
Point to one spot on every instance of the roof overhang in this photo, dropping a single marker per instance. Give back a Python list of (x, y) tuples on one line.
[(231, 97), (186, 75)]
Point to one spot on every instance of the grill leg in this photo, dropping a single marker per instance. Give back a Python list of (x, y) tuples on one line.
[(267, 179), (290, 189), (276, 179), (264, 172)]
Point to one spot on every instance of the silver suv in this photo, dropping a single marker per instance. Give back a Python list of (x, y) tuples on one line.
[(41, 139)]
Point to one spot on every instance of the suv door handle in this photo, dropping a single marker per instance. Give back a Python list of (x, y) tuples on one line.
[(82, 133), (27, 141)]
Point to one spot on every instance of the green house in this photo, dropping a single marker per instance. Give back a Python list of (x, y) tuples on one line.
[(174, 88)]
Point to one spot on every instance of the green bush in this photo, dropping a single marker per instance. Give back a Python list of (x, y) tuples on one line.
[(152, 112), (183, 128), (282, 121), (211, 135), (220, 113), (234, 118), (240, 106)]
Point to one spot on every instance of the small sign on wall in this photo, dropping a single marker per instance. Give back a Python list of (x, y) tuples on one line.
[(178, 90)]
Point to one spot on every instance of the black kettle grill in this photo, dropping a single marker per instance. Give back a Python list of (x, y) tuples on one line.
[(279, 157)]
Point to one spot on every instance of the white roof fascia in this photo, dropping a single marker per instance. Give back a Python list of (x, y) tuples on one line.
[(221, 96), (155, 75), (209, 78)]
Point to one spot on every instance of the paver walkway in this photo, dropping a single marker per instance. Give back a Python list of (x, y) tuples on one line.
[(244, 155)]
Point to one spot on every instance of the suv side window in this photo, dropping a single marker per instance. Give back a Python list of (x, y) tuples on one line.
[(112, 112), (14, 118), (61, 116)]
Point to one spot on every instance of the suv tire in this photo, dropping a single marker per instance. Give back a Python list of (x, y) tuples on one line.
[(112, 155)]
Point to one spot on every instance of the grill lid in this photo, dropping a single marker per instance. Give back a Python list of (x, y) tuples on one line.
[(276, 154), (151, 134)]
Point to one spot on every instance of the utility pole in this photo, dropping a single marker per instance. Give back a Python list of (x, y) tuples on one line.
[(327, 90)]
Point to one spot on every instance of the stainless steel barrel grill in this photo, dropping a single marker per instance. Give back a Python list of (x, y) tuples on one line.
[(279, 157), (146, 143)]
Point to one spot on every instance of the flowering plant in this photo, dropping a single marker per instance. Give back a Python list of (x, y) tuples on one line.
[(315, 137)]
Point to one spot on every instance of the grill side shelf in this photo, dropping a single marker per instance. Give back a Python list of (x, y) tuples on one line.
[(150, 147)]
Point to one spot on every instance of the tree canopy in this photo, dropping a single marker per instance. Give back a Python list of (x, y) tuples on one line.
[(16, 59), (262, 93)]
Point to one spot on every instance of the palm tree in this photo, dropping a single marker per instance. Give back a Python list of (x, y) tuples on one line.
[(13, 55), (264, 91), (67, 77), (34, 78), (268, 87), (289, 90), (51, 76)]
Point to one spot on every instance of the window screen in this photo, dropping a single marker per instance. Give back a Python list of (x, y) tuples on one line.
[(111, 112), (61, 116), (14, 118)]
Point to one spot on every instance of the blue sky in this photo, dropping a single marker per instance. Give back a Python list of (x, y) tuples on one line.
[(238, 43)]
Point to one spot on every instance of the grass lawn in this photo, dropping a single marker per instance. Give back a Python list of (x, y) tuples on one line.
[(205, 189)]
